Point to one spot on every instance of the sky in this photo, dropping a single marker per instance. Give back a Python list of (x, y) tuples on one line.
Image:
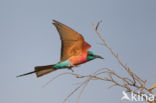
[(28, 39)]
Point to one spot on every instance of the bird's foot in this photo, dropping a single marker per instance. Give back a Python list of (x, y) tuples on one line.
[(70, 68)]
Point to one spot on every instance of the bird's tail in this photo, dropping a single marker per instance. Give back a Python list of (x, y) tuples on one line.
[(40, 70)]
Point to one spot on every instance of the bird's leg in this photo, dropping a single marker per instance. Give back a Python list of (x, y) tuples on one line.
[(70, 68)]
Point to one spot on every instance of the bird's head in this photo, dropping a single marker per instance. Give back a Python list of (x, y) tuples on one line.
[(91, 56)]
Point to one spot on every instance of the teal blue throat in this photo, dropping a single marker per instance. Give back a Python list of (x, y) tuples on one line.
[(90, 58), (64, 64)]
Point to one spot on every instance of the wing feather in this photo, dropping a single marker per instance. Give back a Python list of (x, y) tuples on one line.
[(71, 41)]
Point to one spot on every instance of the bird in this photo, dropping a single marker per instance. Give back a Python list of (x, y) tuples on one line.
[(74, 51)]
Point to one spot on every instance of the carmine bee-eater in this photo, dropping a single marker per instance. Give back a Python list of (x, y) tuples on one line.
[(74, 51)]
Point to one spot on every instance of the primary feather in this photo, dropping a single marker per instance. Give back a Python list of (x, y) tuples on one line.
[(72, 42)]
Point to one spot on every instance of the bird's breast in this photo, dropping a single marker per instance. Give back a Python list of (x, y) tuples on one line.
[(75, 60)]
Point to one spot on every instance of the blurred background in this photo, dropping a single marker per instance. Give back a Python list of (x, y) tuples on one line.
[(28, 39)]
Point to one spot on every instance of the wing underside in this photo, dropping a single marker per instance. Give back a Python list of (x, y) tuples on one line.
[(71, 41)]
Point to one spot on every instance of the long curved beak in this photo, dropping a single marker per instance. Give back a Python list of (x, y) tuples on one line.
[(97, 56)]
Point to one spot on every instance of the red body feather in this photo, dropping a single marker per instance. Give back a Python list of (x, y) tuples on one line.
[(75, 60)]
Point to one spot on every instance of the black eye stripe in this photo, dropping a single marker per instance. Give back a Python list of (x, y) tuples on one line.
[(90, 55)]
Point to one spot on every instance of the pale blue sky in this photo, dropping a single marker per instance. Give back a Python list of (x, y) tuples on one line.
[(28, 39)]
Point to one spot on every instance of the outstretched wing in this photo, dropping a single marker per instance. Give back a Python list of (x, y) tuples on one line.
[(72, 42)]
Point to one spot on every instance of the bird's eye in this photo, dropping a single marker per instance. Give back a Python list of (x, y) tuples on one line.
[(90, 54)]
